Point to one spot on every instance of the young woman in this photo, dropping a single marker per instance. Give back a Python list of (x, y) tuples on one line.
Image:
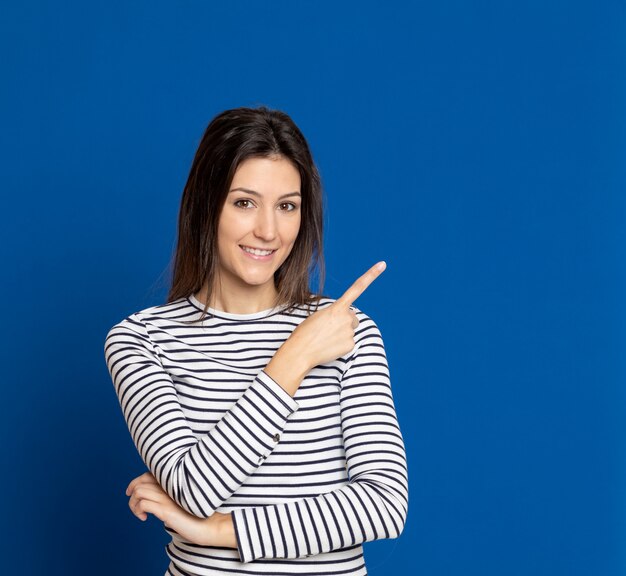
[(263, 412)]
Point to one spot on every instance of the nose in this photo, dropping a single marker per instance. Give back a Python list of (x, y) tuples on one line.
[(265, 225)]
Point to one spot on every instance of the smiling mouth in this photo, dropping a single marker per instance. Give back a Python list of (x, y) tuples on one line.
[(256, 251)]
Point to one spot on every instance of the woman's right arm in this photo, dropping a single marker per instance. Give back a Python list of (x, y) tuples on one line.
[(200, 474)]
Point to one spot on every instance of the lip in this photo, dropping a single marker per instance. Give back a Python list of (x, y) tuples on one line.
[(258, 258)]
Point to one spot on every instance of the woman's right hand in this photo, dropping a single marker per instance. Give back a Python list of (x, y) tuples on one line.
[(324, 336)]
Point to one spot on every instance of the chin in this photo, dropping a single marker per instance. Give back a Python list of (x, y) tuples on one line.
[(256, 281)]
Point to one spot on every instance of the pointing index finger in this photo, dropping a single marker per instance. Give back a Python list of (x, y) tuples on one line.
[(361, 284)]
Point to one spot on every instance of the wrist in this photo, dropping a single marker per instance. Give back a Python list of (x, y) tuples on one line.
[(288, 367), (226, 530), (218, 530)]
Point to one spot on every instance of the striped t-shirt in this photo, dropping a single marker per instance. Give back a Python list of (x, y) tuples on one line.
[(308, 478)]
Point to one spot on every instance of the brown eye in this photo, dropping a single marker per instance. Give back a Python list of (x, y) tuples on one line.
[(288, 206), (242, 203)]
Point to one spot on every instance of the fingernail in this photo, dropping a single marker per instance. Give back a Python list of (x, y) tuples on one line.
[(381, 265)]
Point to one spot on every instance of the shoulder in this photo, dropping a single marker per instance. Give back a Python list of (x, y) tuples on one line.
[(136, 324)]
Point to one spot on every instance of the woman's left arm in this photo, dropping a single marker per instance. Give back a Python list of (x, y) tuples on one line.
[(372, 506)]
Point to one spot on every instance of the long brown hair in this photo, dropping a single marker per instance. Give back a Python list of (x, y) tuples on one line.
[(230, 138)]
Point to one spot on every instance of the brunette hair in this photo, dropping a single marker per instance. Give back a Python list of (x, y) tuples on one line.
[(230, 138)]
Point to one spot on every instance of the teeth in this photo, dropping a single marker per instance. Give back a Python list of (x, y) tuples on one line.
[(257, 252)]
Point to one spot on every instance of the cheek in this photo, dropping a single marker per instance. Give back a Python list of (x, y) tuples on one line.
[(289, 234), (228, 228), (294, 229)]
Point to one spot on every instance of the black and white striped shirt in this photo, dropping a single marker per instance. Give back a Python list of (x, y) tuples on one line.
[(308, 478)]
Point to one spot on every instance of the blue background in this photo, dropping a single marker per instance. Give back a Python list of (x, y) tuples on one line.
[(476, 146)]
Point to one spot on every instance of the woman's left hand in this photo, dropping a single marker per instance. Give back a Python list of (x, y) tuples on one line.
[(147, 497)]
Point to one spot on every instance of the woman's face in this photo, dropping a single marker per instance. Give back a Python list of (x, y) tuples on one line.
[(259, 222)]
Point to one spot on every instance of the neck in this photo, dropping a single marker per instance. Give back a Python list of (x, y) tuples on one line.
[(240, 299)]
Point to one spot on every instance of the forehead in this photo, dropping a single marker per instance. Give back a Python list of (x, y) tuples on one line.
[(272, 175)]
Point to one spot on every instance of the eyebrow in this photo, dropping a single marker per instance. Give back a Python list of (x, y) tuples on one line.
[(248, 191)]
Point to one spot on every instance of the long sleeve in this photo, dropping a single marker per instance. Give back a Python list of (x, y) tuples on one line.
[(374, 503), (201, 473)]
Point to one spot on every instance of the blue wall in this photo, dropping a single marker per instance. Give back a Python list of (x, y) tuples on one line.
[(478, 147)]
